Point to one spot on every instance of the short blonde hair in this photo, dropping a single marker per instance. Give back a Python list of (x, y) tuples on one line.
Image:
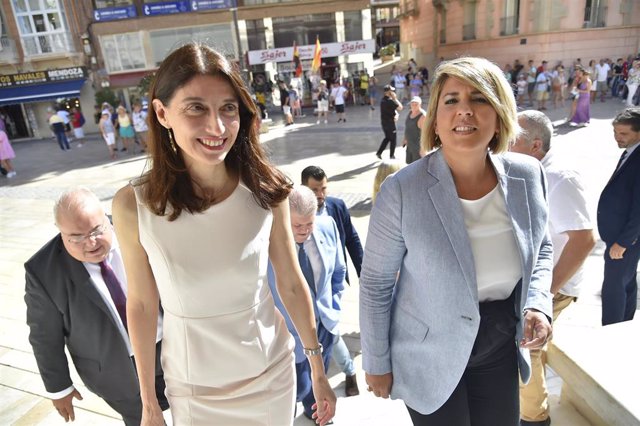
[(386, 168), (488, 79)]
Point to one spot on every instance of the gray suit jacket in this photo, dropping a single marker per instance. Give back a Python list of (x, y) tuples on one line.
[(64, 308), (422, 326)]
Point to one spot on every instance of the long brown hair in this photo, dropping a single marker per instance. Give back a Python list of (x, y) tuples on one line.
[(167, 181)]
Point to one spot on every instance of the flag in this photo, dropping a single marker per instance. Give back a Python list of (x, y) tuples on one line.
[(317, 60), (296, 60)]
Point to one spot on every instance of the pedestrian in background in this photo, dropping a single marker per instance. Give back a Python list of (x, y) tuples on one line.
[(139, 117), (323, 102), (373, 92), (389, 109), (108, 133), (338, 96), (455, 279), (125, 129), (6, 154), (66, 120), (56, 124), (412, 130), (77, 121), (582, 112)]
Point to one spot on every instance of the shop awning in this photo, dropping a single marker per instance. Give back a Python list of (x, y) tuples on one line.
[(40, 92)]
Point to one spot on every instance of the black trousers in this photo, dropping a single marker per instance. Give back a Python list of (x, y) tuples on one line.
[(389, 138), (488, 392), (620, 286)]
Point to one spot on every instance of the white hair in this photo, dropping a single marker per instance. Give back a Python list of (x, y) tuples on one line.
[(302, 201)]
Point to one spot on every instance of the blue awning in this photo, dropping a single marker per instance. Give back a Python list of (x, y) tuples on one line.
[(40, 92)]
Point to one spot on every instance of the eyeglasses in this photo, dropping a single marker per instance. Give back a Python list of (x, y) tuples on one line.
[(80, 239)]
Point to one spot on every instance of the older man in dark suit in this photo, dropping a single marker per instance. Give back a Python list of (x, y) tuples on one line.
[(619, 223), (76, 296), (316, 179)]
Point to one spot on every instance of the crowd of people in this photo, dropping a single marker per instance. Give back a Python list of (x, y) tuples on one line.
[(217, 291)]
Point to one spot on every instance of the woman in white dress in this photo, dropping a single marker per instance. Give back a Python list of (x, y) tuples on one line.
[(196, 232)]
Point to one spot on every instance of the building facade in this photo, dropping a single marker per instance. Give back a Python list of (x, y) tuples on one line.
[(43, 63), (62, 52), (505, 30), (134, 36)]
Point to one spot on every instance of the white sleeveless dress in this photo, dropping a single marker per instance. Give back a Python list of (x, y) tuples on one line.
[(226, 352)]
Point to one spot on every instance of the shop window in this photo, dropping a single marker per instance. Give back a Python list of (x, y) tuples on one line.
[(123, 52), (42, 25), (103, 4), (304, 29), (353, 25), (218, 37)]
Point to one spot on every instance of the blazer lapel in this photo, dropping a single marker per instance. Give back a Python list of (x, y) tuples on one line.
[(322, 250), (444, 197), (515, 196)]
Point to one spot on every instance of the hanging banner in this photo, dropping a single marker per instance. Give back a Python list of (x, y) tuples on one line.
[(285, 54)]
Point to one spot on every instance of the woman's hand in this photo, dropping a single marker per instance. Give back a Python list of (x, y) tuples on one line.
[(537, 330), (325, 406), (152, 415), (380, 384)]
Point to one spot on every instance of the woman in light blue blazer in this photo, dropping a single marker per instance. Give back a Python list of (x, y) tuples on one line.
[(455, 281)]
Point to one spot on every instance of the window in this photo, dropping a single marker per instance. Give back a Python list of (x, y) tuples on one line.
[(218, 37), (469, 27), (510, 17), (353, 25), (42, 25), (595, 13), (256, 35), (303, 29), (103, 4), (123, 52)]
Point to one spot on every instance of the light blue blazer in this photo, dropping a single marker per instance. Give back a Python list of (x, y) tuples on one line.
[(330, 285), (422, 327)]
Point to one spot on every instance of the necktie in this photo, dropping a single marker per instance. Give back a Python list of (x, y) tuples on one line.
[(115, 290), (622, 157), (305, 266)]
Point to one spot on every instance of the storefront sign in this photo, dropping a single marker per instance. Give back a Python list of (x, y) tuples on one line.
[(38, 77), (114, 13), (166, 7), (197, 5), (285, 54)]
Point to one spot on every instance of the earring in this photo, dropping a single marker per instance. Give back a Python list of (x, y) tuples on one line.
[(172, 142)]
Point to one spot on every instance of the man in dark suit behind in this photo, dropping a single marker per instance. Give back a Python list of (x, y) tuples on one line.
[(316, 179), (75, 294), (619, 223)]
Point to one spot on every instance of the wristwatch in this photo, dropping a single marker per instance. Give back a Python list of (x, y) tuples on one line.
[(314, 351)]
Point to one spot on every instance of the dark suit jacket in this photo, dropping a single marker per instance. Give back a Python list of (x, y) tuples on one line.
[(337, 209), (619, 205), (64, 308)]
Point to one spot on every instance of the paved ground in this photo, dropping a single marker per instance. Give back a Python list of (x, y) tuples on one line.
[(345, 151)]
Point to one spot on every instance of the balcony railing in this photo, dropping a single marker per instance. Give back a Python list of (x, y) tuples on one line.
[(469, 32), (8, 51), (46, 44), (595, 17), (508, 25)]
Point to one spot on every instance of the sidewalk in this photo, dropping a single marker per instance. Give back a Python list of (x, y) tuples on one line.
[(345, 151)]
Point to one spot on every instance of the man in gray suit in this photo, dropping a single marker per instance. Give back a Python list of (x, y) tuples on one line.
[(76, 295)]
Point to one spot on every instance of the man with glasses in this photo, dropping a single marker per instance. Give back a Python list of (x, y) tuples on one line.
[(76, 296)]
